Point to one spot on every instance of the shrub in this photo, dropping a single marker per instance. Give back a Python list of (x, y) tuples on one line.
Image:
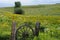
[(19, 11)]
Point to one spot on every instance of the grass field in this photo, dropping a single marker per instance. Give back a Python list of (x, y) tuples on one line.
[(47, 15)]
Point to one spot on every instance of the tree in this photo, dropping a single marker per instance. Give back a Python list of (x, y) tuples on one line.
[(17, 9), (17, 4)]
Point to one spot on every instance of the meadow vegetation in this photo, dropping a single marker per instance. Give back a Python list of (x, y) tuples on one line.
[(47, 15)]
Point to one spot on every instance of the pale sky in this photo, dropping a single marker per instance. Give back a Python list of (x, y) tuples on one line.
[(4, 3)]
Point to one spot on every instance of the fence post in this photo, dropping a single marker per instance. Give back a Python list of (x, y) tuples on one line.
[(13, 30), (37, 28)]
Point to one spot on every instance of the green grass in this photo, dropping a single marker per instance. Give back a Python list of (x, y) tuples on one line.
[(47, 15), (53, 9)]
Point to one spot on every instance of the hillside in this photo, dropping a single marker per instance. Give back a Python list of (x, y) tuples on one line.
[(53, 9), (47, 15)]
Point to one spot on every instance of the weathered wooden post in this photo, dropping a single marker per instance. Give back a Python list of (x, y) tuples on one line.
[(13, 29), (37, 28)]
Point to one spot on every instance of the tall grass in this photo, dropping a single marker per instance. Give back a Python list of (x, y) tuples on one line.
[(47, 15), (50, 22)]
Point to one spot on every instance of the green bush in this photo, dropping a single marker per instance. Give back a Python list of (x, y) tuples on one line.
[(19, 11)]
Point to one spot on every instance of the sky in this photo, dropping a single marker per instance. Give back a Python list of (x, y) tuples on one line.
[(6, 3)]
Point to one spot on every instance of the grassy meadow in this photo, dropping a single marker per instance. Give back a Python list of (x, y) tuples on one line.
[(47, 15)]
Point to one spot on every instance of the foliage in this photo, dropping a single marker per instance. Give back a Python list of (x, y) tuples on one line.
[(18, 11), (48, 16), (17, 4), (46, 21)]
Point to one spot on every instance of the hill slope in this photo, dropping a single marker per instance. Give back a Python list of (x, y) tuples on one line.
[(53, 9), (47, 15)]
